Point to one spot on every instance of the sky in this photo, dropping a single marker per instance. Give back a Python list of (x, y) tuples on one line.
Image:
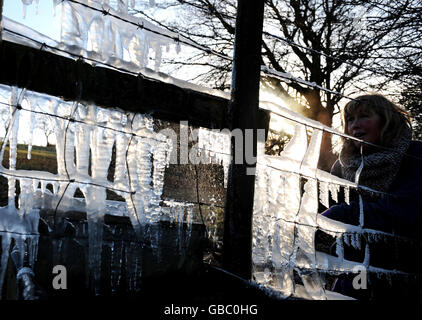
[(42, 20)]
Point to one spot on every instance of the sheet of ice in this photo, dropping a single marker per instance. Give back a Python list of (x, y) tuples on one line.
[(84, 151)]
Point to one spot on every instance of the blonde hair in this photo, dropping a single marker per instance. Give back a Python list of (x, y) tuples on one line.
[(394, 120)]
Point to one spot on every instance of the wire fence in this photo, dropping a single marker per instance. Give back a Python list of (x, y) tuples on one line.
[(71, 178), (263, 163)]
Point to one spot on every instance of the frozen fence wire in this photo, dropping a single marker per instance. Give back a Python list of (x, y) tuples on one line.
[(286, 218)]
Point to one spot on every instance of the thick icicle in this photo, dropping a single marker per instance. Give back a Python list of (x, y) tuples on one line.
[(161, 154), (334, 189), (55, 3), (347, 194), (5, 246), (31, 128), (308, 212), (101, 145), (13, 142), (25, 4), (340, 248), (324, 195)]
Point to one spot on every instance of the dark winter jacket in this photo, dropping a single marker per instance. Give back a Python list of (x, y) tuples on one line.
[(399, 213)]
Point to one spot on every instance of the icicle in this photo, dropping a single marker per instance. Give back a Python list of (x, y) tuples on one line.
[(32, 250), (55, 187), (353, 240), (361, 216), (340, 248), (35, 184), (43, 186), (95, 237), (5, 245), (189, 222), (346, 239), (158, 57), (161, 157), (116, 263), (31, 129), (347, 194), (13, 141), (367, 255), (324, 195), (130, 266), (20, 248), (55, 3), (334, 189), (123, 6), (25, 4), (310, 160), (180, 217), (357, 241)]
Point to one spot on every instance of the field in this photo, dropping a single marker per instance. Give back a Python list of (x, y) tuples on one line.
[(42, 158)]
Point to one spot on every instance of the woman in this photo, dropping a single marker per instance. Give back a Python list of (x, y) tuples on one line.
[(392, 164)]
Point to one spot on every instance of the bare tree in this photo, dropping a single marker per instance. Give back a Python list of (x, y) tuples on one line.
[(4, 119), (4, 111), (342, 45), (46, 125), (411, 99)]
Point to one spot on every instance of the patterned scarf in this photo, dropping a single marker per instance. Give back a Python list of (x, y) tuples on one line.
[(380, 168)]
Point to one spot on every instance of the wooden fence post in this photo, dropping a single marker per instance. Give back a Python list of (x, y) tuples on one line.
[(243, 114), (1, 20)]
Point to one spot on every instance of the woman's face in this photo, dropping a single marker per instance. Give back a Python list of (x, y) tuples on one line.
[(365, 125)]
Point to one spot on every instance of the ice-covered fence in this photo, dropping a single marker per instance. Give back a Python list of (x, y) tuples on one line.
[(112, 32), (115, 45), (95, 28), (286, 219), (87, 137)]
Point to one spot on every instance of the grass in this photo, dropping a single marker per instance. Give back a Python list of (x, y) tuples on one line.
[(42, 158)]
